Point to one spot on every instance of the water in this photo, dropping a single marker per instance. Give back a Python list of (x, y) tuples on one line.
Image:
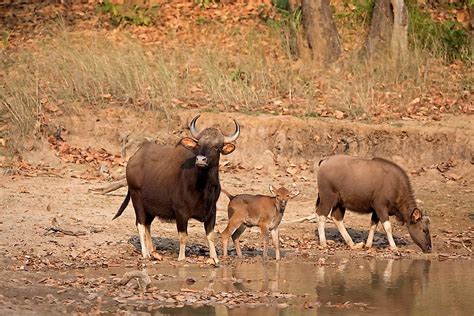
[(334, 286), (366, 286)]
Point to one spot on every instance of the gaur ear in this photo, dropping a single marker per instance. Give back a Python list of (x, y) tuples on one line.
[(416, 215), (227, 148), (189, 143), (294, 193), (272, 189)]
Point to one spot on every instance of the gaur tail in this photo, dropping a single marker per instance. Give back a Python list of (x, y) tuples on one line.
[(123, 206), (230, 196), (318, 200)]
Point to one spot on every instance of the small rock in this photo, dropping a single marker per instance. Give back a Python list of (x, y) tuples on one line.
[(414, 101), (190, 281), (339, 114), (453, 177)]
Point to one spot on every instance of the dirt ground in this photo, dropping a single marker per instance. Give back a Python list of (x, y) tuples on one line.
[(53, 225)]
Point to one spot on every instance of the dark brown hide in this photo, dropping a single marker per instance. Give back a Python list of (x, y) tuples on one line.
[(177, 183)]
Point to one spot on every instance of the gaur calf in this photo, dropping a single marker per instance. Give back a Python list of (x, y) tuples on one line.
[(266, 212), (376, 186)]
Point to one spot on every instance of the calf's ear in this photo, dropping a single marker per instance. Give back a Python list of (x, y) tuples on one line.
[(189, 143), (227, 148), (416, 215), (294, 193), (272, 189)]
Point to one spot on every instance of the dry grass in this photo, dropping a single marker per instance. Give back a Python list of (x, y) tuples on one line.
[(71, 70), (68, 70)]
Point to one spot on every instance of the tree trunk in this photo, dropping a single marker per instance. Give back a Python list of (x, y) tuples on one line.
[(400, 28), (320, 30), (388, 29), (470, 9), (295, 38), (380, 33)]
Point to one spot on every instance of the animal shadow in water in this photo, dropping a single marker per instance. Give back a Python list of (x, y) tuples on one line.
[(358, 235), (170, 245)]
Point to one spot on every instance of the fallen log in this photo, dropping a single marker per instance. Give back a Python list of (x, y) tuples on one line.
[(110, 188), (300, 220)]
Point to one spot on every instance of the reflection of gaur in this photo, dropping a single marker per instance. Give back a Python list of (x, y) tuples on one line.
[(179, 183), (266, 212), (393, 287), (376, 186)]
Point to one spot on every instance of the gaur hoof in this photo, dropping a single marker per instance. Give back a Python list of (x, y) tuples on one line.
[(359, 245), (212, 261)]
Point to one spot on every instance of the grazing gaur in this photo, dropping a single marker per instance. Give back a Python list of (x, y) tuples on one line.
[(266, 212), (178, 183), (377, 186)]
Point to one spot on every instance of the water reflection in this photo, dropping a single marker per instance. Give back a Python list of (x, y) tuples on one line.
[(386, 286), (239, 311), (390, 286), (224, 311)]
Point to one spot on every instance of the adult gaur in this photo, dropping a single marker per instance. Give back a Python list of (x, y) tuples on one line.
[(377, 186), (178, 183)]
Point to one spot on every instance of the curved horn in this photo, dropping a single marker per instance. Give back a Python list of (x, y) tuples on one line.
[(233, 137), (192, 127)]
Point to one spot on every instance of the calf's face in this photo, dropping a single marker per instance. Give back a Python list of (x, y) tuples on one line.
[(419, 229), (282, 195)]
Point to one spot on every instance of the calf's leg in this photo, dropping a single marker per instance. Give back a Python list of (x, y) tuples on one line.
[(264, 232), (236, 239), (276, 243), (233, 226)]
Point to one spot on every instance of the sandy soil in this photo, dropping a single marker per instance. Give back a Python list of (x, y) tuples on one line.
[(52, 223)]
